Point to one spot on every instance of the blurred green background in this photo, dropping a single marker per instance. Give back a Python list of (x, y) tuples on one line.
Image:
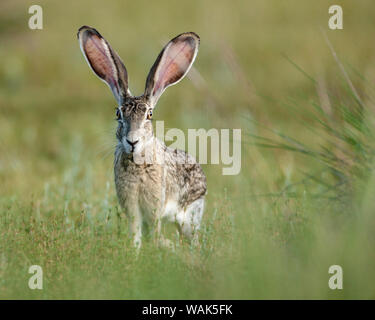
[(272, 68)]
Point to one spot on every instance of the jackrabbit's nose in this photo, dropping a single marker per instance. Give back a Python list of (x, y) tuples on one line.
[(132, 143)]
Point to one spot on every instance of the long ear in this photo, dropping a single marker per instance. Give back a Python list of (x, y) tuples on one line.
[(104, 61), (172, 64)]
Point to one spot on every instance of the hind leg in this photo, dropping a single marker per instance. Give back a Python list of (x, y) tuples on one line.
[(189, 221)]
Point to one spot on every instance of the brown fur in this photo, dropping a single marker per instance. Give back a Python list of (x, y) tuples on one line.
[(172, 185)]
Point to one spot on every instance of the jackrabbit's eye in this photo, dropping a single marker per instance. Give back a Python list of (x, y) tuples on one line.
[(118, 116), (118, 113), (149, 114)]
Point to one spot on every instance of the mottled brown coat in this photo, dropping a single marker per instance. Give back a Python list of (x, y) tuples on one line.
[(154, 183)]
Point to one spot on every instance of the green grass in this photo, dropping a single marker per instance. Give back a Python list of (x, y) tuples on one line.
[(304, 199)]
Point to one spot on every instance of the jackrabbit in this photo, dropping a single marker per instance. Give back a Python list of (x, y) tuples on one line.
[(154, 183)]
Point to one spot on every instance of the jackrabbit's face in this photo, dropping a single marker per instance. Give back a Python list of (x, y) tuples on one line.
[(134, 113), (134, 129)]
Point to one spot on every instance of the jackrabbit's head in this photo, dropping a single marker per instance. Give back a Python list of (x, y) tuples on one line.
[(134, 114)]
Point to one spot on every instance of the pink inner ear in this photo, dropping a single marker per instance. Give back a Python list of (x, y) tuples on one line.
[(95, 49), (174, 64)]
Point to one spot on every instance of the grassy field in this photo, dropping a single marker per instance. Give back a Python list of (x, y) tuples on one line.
[(303, 96)]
